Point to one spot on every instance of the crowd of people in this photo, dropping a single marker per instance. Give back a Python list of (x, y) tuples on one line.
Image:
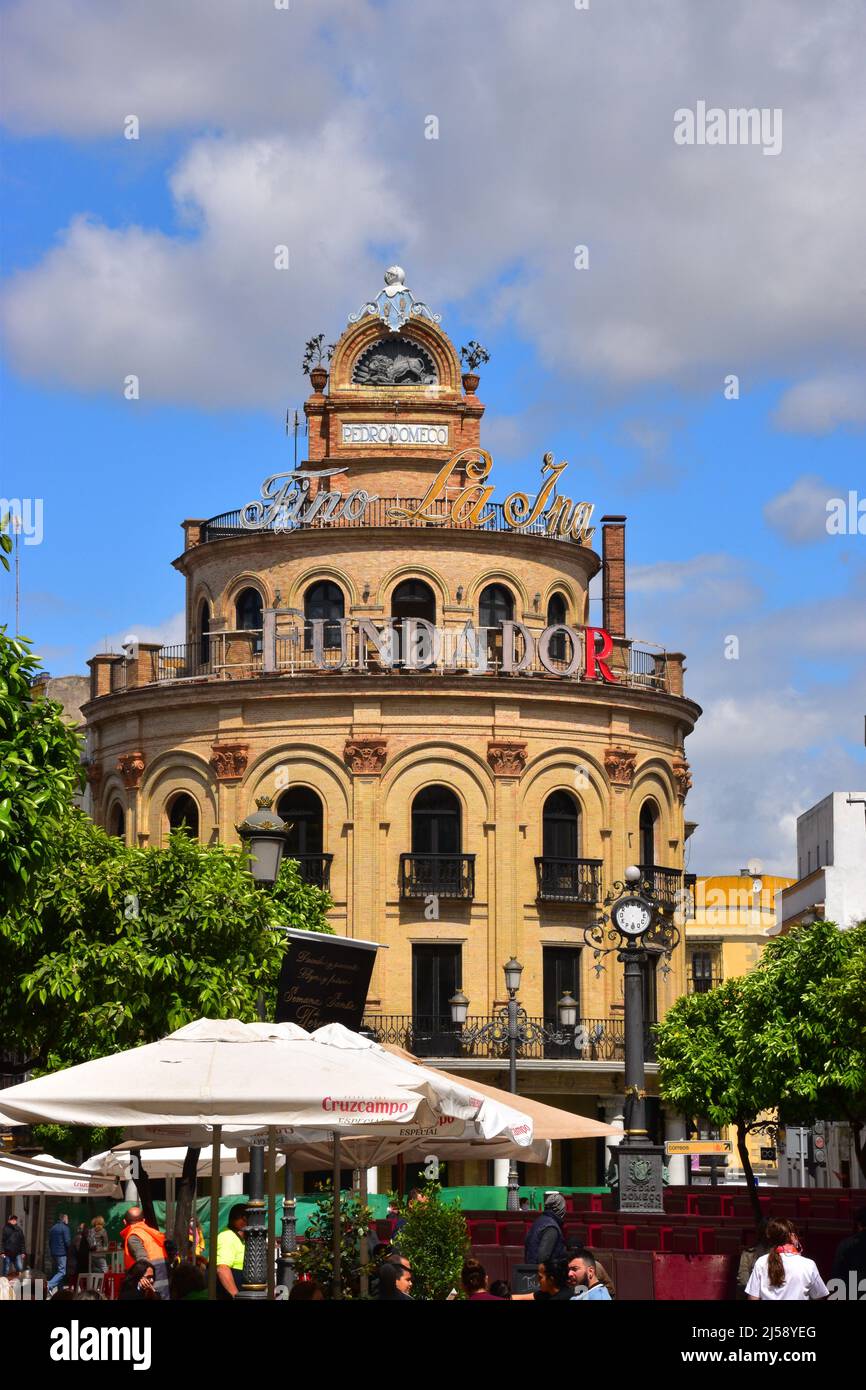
[(773, 1268)]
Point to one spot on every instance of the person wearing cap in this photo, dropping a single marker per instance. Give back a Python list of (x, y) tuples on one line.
[(545, 1239)]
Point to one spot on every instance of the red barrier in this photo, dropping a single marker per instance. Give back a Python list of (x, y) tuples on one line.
[(704, 1277)]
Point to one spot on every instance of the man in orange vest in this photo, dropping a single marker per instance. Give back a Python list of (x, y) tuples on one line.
[(143, 1242)]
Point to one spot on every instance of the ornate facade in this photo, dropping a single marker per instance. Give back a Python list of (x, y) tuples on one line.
[(401, 657)]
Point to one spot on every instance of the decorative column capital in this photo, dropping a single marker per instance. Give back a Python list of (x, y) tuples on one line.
[(229, 760), (619, 766), (131, 768), (507, 756), (682, 777), (365, 754)]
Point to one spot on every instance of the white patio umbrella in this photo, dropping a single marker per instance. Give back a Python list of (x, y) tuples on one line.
[(163, 1162), (216, 1073), (44, 1175)]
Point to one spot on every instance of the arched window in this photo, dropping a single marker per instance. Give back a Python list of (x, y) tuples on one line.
[(649, 814), (556, 614), (183, 815), (204, 632), (413, 599), (302, 808), (117, 821), (561, 827), (436, 822), (495, 606), (325, 601), (248, 610)]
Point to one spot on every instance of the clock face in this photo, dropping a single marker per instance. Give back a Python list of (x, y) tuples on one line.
[(632, 916)]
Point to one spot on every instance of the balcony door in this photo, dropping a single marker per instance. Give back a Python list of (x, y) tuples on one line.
[(561, 974), (302, 808), (436, 976), (436, 822)]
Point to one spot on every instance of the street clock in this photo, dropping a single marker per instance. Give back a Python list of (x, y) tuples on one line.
[(632, 916)]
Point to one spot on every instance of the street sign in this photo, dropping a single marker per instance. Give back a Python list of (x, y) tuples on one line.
[(698, 1146)]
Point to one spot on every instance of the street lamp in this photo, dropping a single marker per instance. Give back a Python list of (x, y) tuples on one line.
[(263, 834), (512, 1025)]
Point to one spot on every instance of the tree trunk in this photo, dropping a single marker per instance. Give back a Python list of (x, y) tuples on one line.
[(184, 1198), (743, 1151), (145, 1194), (859, 1148)]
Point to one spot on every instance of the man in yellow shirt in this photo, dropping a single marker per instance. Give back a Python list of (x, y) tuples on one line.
[(230, 1253)]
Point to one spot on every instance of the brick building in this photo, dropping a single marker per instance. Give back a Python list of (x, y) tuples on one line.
[(400, 656)]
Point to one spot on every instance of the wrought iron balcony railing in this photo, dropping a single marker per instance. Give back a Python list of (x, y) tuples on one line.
[(666, 882), (315, 869), (568, 880), (689, 888), (592, 1040), (380, 512), (439, 875), (702, 984)]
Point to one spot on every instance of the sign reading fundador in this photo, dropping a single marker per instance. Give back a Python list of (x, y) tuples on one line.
[(324, 979)]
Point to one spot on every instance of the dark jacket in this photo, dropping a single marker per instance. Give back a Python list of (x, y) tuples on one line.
[(545, 1240), (59, 1239), (13, 1239), (851, 1257)]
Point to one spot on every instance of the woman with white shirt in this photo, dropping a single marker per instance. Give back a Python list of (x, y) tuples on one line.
[(784, 1273)]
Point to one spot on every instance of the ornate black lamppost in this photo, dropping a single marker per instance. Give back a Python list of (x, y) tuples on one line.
[(512, 1026), (263, 835), (641, 927)]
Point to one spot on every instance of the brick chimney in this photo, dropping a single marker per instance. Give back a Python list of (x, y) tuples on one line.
[(613, 574)]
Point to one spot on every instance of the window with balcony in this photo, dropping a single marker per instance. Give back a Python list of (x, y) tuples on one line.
[(117, 821), (560, 975), (436, 976), (204, 632), (183, 814), (248, 615), (556, 615), (704, 973), (495, 607), (562, 875), (324, 601), (649, 814), (302, 809), (436, 864)]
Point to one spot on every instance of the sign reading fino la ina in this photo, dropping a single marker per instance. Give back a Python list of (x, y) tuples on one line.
[(285, 503)]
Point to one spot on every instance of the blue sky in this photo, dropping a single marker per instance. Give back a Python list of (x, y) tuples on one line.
[(155, 256)]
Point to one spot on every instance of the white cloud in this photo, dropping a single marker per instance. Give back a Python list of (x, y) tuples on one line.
[(171, 632), (823, 403), (703, 260), (799, 514)]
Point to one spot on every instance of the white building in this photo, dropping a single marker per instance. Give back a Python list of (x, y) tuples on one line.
[(831, 865)]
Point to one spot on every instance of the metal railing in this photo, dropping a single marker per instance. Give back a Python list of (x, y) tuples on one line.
[(437, 875), (315, 869), (689, 886), (380, 512), (238, 654), (702, 984), (592, 1040), (666, 882), (568, 880)]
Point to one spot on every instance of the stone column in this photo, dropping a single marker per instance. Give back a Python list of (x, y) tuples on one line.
[(372, 1180), (365, 757), (507, 758), (232, 1186), (675, 1128)]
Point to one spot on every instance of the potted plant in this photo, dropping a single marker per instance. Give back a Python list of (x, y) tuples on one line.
[(315, 357), (473, 356)]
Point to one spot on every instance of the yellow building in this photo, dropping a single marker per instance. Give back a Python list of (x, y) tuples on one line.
[(402, 657), (727, 929)]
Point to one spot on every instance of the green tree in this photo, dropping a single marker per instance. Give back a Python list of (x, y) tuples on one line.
[(804, 1026), (315, 1255), (701, 1072), (40, 771), (116, 946), (434, 1239)]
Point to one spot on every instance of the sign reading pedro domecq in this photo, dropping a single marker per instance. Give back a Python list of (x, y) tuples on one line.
[(324, 979)]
